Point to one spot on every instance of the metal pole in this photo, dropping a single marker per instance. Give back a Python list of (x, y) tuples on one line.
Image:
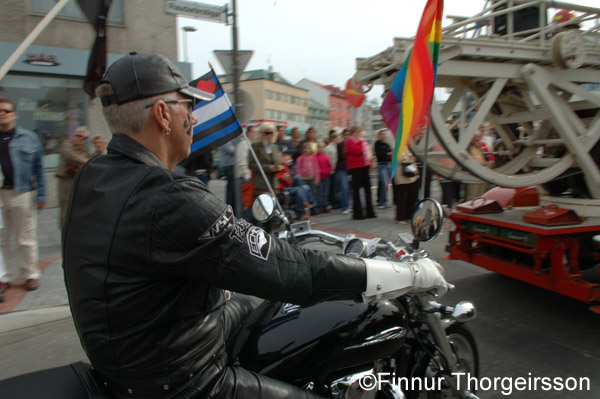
[(424, 177), (234, 67), (185, 53), (236, 84), (14, 57)]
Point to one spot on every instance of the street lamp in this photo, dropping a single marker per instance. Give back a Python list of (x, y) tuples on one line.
[(186, 30)]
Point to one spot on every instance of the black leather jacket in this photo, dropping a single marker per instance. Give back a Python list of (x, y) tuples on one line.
[(147, 254)]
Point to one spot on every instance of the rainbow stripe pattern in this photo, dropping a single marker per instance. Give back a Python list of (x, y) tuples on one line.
[(408, 102)]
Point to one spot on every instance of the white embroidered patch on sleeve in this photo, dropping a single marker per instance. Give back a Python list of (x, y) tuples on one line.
[(240, 227), (259, 243), (220, 225)]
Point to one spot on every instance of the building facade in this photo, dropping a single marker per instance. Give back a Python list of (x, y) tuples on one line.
[(274, 99), (341, 113), (46, 83), (318, 106), (319, 118), (368, 116)]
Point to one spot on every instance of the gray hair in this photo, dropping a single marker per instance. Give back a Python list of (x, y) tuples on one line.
[(131, 116)]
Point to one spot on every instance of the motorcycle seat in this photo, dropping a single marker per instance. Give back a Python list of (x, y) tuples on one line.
[(75, 381)]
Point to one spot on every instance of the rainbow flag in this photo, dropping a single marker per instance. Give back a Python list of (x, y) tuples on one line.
[(408, 102)]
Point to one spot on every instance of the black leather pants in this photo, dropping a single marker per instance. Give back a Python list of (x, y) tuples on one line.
[(236, 382)]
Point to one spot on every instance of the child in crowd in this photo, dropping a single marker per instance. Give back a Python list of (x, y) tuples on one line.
[(300, 192), (324, 172), (307, 168)]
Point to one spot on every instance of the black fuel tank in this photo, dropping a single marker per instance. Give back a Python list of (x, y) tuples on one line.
[(302, 342)]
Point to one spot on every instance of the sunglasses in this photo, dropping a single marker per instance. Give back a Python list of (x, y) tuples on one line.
[(6, 111), (268, 132), (191, 101), (81, 136)]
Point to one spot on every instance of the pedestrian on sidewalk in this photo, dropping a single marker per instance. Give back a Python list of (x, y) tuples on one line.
[(243, 174), (72, 155), (269, 160), (24, 185), (332, 152), (324, 172), (406, 186), (100, 143), (341, 175), (3, 286), (227, 161), (358, 159), (307, 167), (383, 152)]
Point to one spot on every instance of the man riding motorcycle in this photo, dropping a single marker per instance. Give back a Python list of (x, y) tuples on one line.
[(147, 254)]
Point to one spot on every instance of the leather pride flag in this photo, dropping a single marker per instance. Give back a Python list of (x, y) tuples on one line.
[(217, 123), (96, 12)]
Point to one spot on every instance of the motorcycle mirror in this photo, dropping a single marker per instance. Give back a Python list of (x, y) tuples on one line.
[(263, 207), (464, 311), (426, 222)]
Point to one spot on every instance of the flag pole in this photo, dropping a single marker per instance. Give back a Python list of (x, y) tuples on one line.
[(425, 159), (31, 37)]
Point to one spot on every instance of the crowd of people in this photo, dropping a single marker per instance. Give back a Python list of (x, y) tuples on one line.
[(334, 172), (312, 176)]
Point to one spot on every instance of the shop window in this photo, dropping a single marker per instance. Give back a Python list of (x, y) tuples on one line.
[(49, 106), (72, 10)]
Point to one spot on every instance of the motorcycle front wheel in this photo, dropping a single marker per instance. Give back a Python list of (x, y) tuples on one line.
[(465, 348)]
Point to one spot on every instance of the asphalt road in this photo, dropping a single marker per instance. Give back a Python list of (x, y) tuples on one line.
[(521, 330)]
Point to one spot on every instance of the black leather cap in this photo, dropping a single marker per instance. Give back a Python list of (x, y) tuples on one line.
[(138, 76)]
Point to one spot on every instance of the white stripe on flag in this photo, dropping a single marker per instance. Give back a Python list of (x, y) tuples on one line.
[(212, 109)]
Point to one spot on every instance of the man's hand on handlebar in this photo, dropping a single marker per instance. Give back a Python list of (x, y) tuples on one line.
[(429, 277), (388, 279)]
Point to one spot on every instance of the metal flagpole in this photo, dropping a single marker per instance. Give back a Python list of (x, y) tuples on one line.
[(424, 177), (236, 85), (14, 57)]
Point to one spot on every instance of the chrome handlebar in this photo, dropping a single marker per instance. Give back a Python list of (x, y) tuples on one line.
[(403, 251)]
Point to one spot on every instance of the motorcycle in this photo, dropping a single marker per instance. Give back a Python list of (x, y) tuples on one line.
[(409, 347)]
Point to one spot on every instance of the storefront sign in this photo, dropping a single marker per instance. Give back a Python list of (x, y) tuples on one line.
[(41, 60)]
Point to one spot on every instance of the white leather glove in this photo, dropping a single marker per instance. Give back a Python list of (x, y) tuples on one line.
[(387, 279)]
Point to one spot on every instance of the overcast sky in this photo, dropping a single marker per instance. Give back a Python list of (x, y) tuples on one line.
[(314, 39)]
